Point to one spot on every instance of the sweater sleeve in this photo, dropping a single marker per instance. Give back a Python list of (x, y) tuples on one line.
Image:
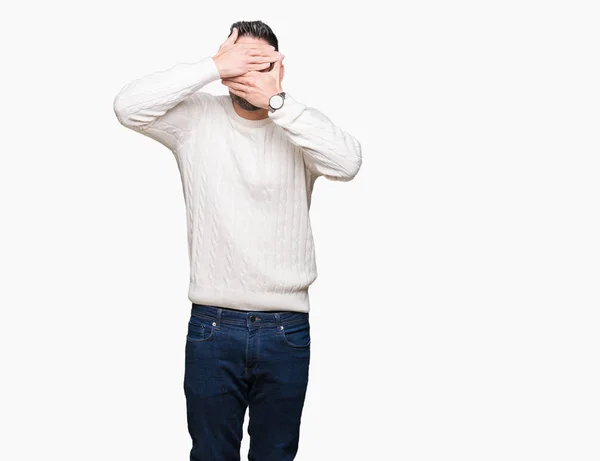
[(327, 149), (163, 105)]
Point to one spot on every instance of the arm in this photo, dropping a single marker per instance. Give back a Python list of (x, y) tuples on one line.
[(328, 150), (163, 105)]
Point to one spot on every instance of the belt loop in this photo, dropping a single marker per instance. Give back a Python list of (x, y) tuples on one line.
[(219, 310), (278, 320)]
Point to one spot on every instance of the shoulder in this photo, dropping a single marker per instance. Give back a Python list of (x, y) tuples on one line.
[(206, 100), (206, 104)]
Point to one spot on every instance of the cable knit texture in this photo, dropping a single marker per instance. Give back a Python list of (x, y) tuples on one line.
[(247, 184)]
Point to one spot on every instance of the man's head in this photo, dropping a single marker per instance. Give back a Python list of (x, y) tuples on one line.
[(253, 32)]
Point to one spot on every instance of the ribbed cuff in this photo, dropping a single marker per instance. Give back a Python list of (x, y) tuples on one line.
[(208, 70), (290, 111)]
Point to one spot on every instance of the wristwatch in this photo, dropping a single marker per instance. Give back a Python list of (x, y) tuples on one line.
[(276, 101)]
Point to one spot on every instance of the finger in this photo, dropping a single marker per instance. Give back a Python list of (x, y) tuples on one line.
[(277, 66), (265, 50), (232, 37), (257, 46), (241, 94), (239, 79), (260, 59), (234, 85), (259, 67)]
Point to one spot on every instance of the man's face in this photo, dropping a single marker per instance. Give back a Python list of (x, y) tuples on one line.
[(238, 99)]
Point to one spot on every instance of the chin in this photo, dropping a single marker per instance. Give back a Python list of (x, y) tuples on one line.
[(243, 103)]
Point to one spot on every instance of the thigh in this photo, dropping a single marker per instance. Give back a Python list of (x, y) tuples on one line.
[(277, 394), (216, 394)]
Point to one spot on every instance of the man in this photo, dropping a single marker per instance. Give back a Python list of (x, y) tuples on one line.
[(248, 162)]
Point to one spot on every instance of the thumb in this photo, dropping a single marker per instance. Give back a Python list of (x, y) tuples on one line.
[(277, 66), (233, 37)]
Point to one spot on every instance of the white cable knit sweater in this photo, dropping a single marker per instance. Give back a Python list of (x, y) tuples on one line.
[(247, 184)]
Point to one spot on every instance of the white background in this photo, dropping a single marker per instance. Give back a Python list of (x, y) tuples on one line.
[(455, 316)]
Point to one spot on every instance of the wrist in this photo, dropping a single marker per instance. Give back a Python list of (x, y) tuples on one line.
[(276, 100), (215, 59), (267, 100)]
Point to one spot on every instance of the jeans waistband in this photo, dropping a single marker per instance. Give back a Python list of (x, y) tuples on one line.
[(222, 315)]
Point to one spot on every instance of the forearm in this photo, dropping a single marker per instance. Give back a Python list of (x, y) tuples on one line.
[(142, 101), (328, 150)]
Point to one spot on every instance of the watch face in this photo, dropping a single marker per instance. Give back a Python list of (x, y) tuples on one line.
[(276, 101)]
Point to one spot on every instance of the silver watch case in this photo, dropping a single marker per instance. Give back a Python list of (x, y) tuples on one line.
[(276, 101)]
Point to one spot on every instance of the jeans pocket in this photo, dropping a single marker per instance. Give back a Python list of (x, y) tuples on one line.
[(200, 330), (296, 334)]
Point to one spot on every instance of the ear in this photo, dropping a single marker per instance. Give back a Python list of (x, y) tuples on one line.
[(282, 72)]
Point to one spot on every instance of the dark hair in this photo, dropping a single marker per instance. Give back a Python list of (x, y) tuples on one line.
[(256, 29)]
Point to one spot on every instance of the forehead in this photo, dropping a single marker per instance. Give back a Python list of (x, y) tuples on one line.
[(250, 39)]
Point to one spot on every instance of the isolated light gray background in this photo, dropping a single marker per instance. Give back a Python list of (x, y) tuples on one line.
[(455, 316)]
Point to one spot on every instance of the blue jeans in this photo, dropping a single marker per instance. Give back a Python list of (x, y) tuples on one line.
[(238, 359)]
